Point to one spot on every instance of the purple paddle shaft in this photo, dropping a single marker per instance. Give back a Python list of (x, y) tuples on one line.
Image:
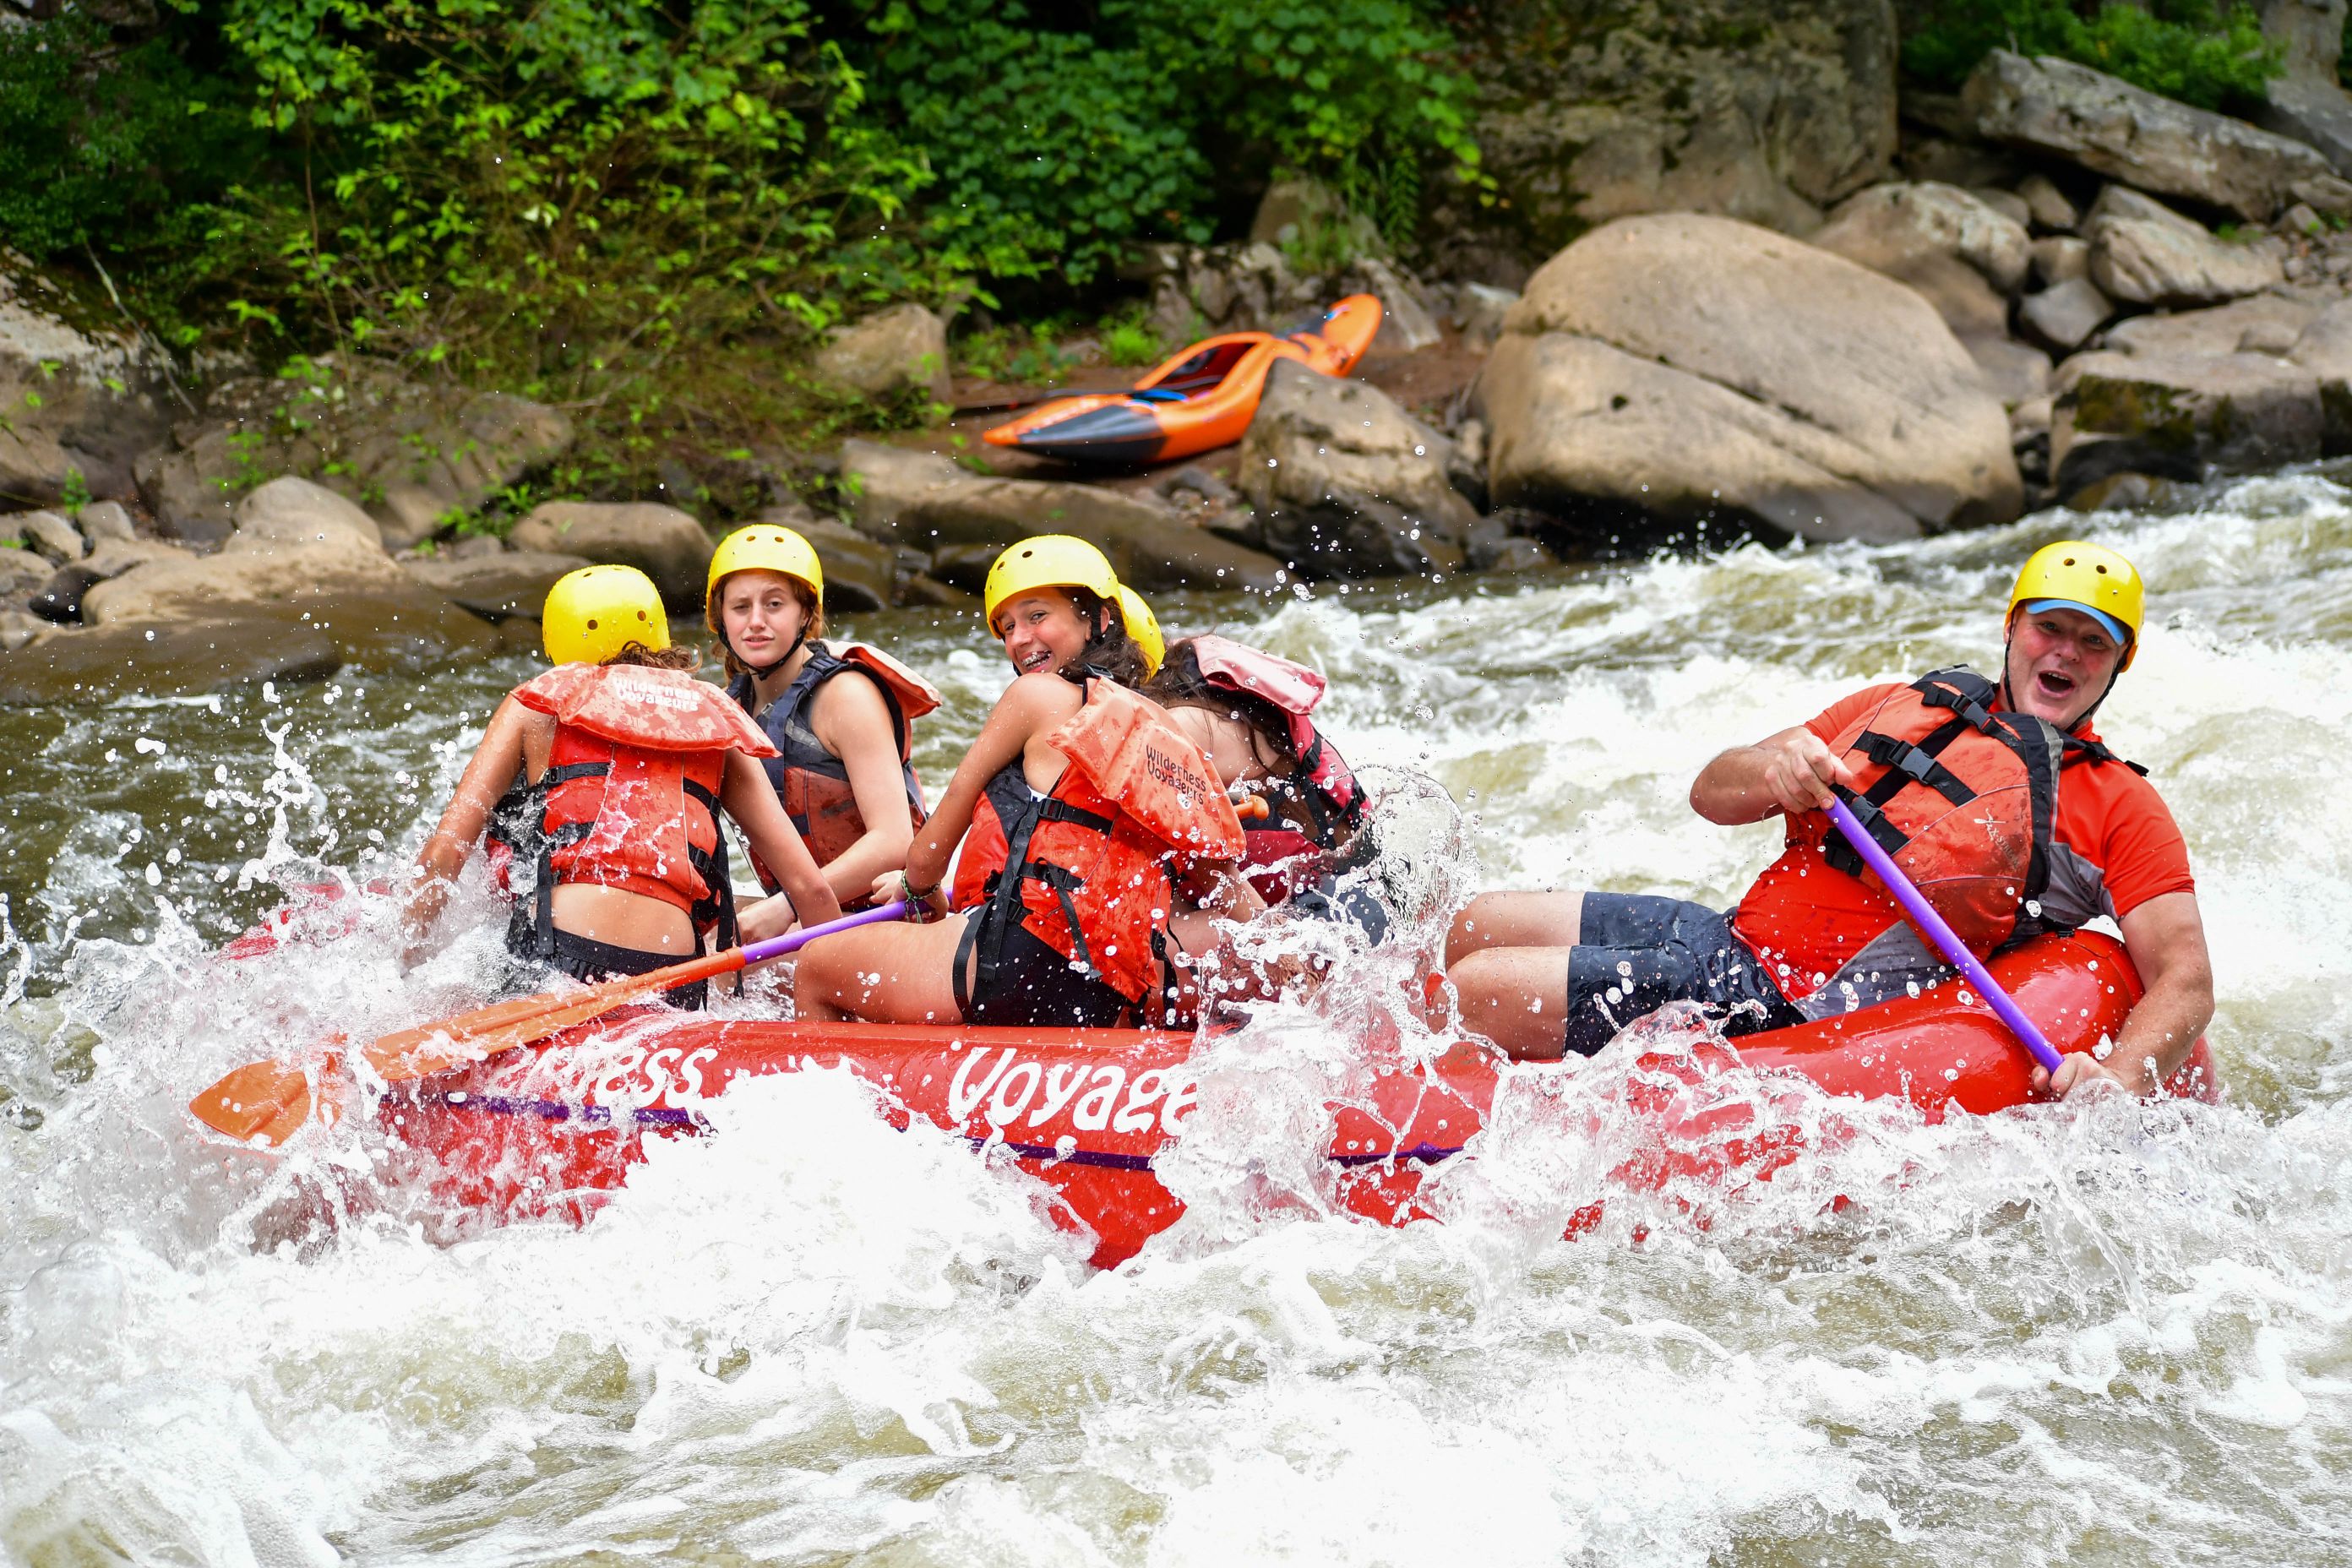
[(1940, 933), (777, 946)]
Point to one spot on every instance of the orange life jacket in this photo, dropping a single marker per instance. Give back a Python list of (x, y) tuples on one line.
[(630, 798), (1962, 795), (1086, 868), (813, 784)]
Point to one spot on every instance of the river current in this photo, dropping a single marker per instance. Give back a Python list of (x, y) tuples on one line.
[(2094, 1333)]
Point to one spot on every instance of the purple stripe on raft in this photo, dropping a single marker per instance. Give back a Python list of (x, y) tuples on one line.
[(669, 1116)]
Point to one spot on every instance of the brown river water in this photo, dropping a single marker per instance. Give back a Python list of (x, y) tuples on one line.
[(2103, 1333)]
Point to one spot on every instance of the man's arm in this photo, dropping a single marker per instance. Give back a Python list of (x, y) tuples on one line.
[(1788, 772), (2165, 938)]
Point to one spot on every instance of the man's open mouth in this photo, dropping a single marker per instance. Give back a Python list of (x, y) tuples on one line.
[(2053, 684)]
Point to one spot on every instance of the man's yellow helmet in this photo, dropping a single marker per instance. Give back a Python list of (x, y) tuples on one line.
[(597, 611), (762, 547), (2072, 574), (1047, 561), (1143, 627)]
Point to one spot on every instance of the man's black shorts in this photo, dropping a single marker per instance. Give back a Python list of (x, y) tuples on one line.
[(1635, 952)]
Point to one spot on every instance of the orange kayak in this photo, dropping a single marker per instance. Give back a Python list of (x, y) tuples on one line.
[(1204, 397)]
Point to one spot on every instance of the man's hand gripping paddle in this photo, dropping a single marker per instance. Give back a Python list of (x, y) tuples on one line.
[(1923, 914), (267, 1103)]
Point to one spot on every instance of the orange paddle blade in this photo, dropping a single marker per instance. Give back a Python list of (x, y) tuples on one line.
[(266, 1103), (474, 1036)]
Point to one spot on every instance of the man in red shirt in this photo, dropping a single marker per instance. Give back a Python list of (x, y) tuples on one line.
[(1809, 941)]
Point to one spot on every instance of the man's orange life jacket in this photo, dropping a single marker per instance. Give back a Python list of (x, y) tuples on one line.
[(630, 798), (1963, 796)]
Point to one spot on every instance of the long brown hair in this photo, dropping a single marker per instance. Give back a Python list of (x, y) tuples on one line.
[(1109, 650), (684, 658)]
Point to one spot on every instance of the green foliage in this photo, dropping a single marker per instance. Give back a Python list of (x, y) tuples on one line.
[(1057, 146), (2193, 50), (96, 137), (74, 494)]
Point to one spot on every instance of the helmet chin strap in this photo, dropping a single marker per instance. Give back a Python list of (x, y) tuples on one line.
[(761, 672)]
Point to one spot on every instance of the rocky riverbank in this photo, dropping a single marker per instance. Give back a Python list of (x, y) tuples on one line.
[(2051, 287)]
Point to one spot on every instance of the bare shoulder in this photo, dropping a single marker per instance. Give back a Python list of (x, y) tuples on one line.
[(1041, 697)]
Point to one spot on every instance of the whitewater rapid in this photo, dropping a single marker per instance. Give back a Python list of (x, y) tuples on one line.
[(2090, 1333)]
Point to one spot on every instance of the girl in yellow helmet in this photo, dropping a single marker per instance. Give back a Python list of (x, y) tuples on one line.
[(1083, 924), (604, 776), (841, 765)]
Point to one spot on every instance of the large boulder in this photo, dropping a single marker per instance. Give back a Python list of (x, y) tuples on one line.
[(171, 659), (2143, 251), (2059, 108), (22, 574), (2180, 416), (46, 533), (662, 541), (926, 502), (889, 354), (77, 403), (1958, 252), (2324, 347), (1769, 110), (292, 538), (415, 456), (2261, 324), (60, 599), (1695, 368), (1344, 483)]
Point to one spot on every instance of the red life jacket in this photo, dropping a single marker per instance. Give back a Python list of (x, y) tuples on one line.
[(1087, 867), (1963, 796), (630, 798), (1318, 799), (813, 784)]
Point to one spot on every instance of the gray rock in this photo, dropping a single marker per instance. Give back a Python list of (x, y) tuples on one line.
[(2305, 100), (928, 502), (2056, 107), (1307, 216), (190, 492), (188, 658), (2008, 203), (2144, 252), (1465, 465), (1347, 484), (47, 533), (2064, 315), (1956, 157), (103, 520), (291, 512), (2061, 258), (77, 402), (1493, 544), (1478, 310), (1894, 228), (496, 587), (2324, 348), (2180, 416), (889, 354), (1697, 368), (2047, 205), (18, 630), (2031, 418), (2261, 323), (1407, 322), (473, 547), (662, 541), (21, 573), (1255, 286), (455, 460), (2017, 372)]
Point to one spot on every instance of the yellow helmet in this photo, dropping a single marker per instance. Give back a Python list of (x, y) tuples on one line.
[(2089, 578), (1143, 627), (762, 547), (1047, 561), (597, 611)]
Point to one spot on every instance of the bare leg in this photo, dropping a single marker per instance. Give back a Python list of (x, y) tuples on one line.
[(1516, 919), (888, 973), (1516, 996)]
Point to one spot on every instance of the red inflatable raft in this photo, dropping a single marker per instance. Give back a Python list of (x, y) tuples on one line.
[(1202, 398), (544, 1130)]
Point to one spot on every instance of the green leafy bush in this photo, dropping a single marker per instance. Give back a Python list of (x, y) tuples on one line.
[(2193, 50)]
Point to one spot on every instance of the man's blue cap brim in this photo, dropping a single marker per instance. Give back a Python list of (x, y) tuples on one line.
[(2116, 628)]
